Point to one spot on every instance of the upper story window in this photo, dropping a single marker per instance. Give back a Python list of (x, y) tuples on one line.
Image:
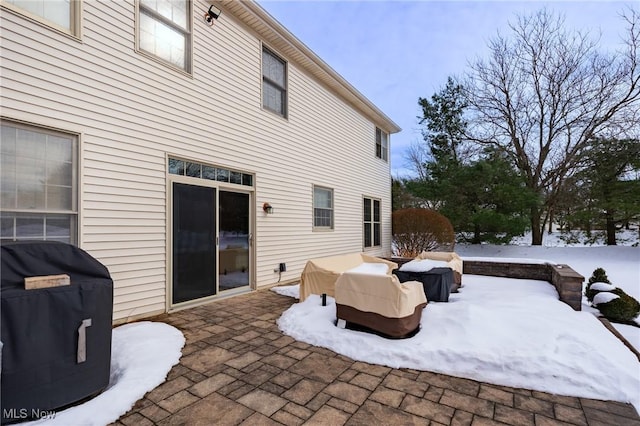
[(38, 184), (164, 31), (322, 208), (62, 15), (274, 83), (371, 216), (382, 144)]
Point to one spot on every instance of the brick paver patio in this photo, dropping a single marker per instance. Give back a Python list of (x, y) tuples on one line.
[(238, 368)]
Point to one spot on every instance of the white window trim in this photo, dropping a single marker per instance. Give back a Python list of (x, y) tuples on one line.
[(188, 70), (75, 32), (285, 115), (372, 222), (313, 208)]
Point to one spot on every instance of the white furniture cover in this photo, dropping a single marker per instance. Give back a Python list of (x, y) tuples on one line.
[(320, 275)]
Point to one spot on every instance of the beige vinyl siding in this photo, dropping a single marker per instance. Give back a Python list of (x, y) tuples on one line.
[(131, 112)]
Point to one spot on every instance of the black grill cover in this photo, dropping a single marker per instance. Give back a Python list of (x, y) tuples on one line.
[(39, 331)]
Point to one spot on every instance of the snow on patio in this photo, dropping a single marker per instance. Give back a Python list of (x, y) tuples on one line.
[(496, 330), (622, 264)]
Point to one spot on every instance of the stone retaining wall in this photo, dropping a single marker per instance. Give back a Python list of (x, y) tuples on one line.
[(567, 282)]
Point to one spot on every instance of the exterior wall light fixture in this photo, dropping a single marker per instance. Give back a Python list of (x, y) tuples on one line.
[(266, 207), (212, 14)]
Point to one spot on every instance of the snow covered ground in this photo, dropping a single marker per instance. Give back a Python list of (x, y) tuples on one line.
[(142, 355), (504, 331), (622, 264), (624, 237)]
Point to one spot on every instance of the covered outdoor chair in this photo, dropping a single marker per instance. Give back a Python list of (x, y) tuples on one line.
[(453, 261), (319, 275), (380, 303)]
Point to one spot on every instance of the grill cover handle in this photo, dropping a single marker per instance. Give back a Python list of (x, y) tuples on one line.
[(82, 340)]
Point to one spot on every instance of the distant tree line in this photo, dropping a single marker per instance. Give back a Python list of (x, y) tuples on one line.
[(545, 129)]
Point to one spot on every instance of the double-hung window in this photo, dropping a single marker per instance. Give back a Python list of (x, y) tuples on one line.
[(322, 208), (382, 144), (371, 215), (274, 83), (38, 184), (63, 15), (164, 31)]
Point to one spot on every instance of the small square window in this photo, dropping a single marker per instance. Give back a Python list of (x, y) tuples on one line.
[(193, 170), (208, 172), (222, 175), (176, 167), (236, 177)]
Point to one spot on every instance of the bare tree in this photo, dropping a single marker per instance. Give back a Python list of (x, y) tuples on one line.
[(417, 157), (544, 92)]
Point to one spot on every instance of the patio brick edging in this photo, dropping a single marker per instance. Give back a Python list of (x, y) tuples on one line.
[(616, 333), (567, 282)]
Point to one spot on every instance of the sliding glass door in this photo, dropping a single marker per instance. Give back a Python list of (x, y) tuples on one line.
[(235, 240), (211, 241)]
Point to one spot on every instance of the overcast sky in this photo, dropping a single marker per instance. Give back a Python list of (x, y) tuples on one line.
[(394, 52)]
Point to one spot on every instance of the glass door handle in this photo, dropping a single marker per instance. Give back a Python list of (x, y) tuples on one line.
[(250, 239)]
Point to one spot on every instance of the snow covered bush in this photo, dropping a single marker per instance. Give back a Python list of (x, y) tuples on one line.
[(613, 302), (599, 276), (618, 307), (604, 297), (418, 230), (595, 288)]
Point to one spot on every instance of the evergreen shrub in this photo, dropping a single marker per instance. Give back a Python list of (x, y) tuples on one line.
[(599, 276), (623, 309)]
